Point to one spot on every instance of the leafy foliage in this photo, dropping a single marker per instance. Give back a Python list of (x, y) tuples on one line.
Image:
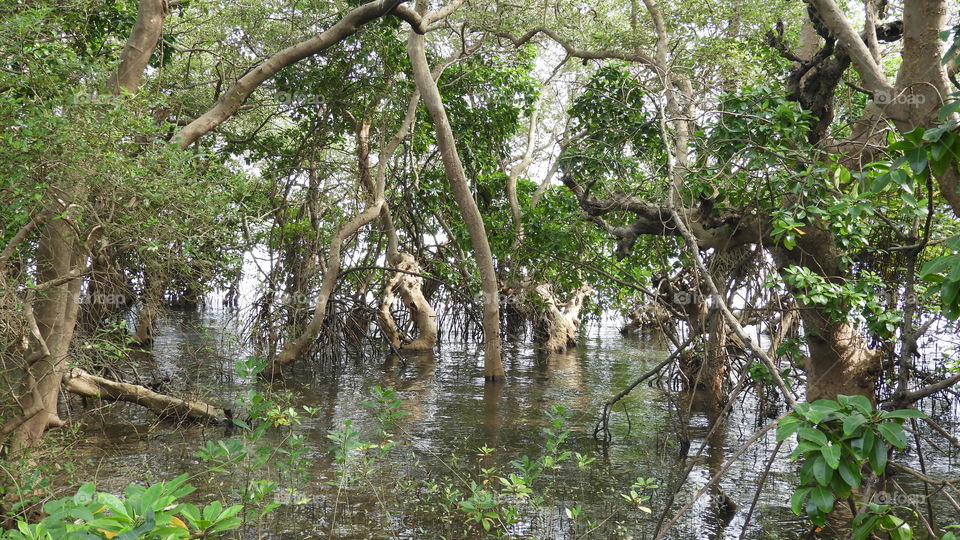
[(622, 138), (156, 512), (836, 439)]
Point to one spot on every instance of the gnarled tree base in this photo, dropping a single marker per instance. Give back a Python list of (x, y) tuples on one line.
[(409, 285), (555, 324)]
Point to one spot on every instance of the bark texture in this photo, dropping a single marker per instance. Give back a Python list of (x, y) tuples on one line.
[(139, 46), (493, 367), (840, 361), (52, 319), (919, 91)]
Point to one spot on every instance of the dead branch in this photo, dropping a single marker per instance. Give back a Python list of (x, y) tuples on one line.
[(80, 382)]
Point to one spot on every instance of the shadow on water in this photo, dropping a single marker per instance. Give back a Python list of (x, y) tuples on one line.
[(451, 412)]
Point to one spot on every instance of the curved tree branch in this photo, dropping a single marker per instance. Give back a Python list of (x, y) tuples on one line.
[(230, 102), (571, 50)]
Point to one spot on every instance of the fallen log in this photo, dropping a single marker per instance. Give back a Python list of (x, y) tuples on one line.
[(83, 383)]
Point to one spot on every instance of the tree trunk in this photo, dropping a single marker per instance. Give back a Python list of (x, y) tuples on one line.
[(921, 84), (493, 366), (405, 281), (52, 319), (840, 361), (651, 315), (706, 370), (139, 47), (143, 334), (230, 102), (298, 346)]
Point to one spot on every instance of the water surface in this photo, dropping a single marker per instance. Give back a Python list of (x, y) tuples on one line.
[(451, 414)]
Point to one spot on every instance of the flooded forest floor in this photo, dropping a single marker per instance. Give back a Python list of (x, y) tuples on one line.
[(454, 439)]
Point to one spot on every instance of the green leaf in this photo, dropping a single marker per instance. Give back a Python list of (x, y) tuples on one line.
[(116, 506), (864, 529), (826, 406), (84, 494), (937, 266), (861, 403), (82, 513), (831, 454), (914, 136), (949, 292), (806, 472), (917, 159), (941, 153), (150, 496), (227, 525), (814, 513), (813, 435), (880, 182), (788, 426), (189, 511), (950, 108), (796, 500), (902, 179), (212, 510), (850, 474), (878, 457), (869, 439), (807, 411), (823, 498), (840, 488), (822, 473), (852, 422), (901, 146), (894, 434), (230, 512), (896, 527), (805, 447), (141, 531)]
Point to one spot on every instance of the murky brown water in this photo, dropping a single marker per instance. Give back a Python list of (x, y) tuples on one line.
[(451, 412)]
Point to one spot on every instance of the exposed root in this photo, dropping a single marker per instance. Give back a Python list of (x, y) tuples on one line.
[(556, 324), (409, 286)]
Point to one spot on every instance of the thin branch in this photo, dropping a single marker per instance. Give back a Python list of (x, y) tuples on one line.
[(906, 398), (603, 424), (21, 235), (716, 478)]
